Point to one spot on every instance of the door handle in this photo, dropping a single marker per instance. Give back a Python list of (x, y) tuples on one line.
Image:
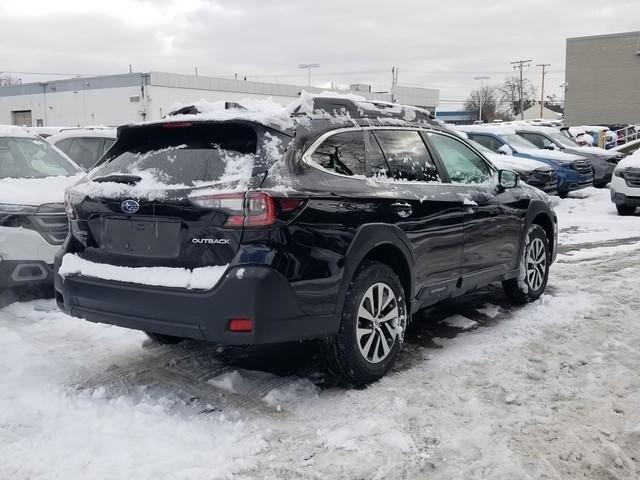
[(402, 209)]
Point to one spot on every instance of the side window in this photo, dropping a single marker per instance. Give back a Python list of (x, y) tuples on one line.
[(107, 144), (376, 164), (487, 141), (407, 156), (64, 145), (538, 140), (463, 164), (342, 153), (86, 151)]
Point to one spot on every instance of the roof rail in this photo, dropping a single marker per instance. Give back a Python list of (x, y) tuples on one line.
[(369, 109)]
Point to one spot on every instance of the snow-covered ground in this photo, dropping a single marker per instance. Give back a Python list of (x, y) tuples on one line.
[(482, 390)]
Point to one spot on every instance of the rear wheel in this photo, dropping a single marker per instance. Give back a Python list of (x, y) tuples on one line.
[(374, 318), (625, 210), (164, 339), (534, 264)]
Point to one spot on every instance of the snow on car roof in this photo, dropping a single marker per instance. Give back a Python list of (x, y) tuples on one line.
[(14, 131), (494, 129), (536, 128), (102, 132), (300, 111)]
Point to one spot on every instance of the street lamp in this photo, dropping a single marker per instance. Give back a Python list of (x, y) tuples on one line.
[(481, 92), (309, 66)]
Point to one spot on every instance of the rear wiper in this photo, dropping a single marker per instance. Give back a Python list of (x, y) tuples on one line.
[(118, 178)]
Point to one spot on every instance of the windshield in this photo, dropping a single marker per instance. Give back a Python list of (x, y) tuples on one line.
[(26, 157), (517, 141), (562, 140), (183, 155)]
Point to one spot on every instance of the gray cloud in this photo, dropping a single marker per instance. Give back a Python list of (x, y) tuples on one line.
[(435, 44)]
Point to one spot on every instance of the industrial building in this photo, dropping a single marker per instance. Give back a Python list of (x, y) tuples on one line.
[(133, 97), (603, 79)]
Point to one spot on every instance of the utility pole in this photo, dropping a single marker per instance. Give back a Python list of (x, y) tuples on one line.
[(308, 67), (544, 67), (481, 95), (519, 65)]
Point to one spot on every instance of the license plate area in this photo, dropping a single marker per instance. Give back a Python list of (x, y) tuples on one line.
[(153, 238)]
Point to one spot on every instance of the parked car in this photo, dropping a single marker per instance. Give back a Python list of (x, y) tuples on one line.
[(603, 161), (84, 146), (533, 172), (335, 220), (628, 148), (33, 223), (573, 172), (625, 185)]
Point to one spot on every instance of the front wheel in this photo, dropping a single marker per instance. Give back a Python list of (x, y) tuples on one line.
[(534, 264), (374, 319), (625, 210)]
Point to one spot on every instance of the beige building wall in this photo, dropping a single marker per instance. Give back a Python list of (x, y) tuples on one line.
[(603, 79)]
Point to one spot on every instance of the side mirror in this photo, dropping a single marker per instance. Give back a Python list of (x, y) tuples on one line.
[(508, 179), (551, 146), (505, 150)]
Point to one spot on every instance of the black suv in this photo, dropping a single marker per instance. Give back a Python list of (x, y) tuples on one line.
[(336, 223)]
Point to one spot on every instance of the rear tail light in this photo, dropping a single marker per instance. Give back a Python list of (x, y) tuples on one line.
[(253, 209)]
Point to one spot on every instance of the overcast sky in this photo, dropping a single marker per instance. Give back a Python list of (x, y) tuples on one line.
[(439, 44)]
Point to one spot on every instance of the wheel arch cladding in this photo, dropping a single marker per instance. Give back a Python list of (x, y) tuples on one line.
[(384, 243), (546, 223)]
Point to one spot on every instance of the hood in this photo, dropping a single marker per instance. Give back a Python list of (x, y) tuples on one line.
[(632, 161), (518, 164), (35, 191), (601, 152), (550, 155)]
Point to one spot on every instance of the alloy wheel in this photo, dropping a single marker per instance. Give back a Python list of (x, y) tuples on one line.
[(380, 322), (536, 264)]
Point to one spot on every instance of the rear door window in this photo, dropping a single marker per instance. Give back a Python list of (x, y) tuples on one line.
[(342, 153), (407, 156), (487, 141), (463, 165), (86, 151)]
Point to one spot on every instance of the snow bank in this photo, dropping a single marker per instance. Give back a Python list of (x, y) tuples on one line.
[(204, 278), (35, 191)]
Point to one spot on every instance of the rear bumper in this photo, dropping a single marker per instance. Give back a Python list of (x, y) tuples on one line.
[(257, 293)]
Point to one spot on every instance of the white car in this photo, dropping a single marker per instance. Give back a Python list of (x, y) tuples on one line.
[(33, 222), (85, 145), (625, 185)]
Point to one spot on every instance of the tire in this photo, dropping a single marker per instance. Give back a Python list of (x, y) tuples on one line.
[(563, 194), (625, 210), (534, 262), (164, 339), (600, 185), (363, 360)]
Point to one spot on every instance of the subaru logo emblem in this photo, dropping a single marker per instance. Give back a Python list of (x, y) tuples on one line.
[(129, 206)]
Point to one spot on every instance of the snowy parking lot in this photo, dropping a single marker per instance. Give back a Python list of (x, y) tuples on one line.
[(482, 389)]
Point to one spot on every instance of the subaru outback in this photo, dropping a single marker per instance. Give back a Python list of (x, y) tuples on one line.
[(334, 220)]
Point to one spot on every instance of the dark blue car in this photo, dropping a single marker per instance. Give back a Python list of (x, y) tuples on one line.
[(574, 172)]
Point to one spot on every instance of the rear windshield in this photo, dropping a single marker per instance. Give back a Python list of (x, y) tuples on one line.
[(25, 157), (183, 154)]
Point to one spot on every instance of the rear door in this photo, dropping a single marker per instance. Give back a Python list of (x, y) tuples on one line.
[(411, 195), (171, 195), (493, 217)]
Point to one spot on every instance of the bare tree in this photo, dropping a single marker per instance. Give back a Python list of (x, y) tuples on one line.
[(510, 94), (489, 97)]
